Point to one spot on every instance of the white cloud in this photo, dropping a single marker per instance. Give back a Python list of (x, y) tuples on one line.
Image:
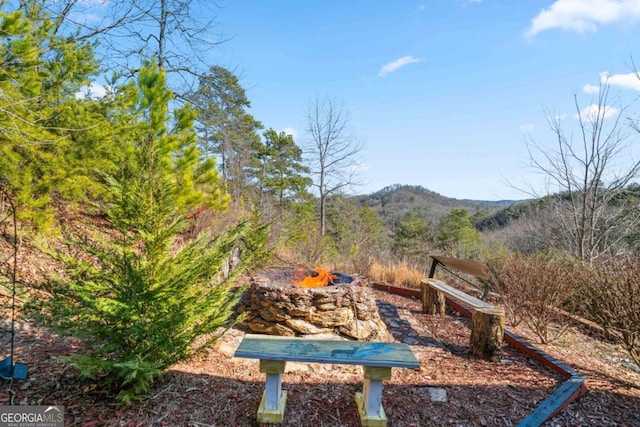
[(93, 91), (595, 112), (591, 89), (392, 66), (584, 15), (625, 81), (291, 131), (526, 128)]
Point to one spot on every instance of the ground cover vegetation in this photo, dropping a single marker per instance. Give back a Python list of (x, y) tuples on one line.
[(182, 193)]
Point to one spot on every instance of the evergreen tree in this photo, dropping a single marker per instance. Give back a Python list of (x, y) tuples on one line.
[(139, 300), (456, 234), (282, 174), (412, 237), (226, 129), (41, 71)]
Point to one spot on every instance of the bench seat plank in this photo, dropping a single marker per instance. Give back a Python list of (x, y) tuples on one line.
[(456, 294), (379, 354)]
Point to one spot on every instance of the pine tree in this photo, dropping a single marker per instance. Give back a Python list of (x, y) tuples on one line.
[(40, 118), (412, 237), (140, 302), (456, 234), (226, 129), (282, 174)]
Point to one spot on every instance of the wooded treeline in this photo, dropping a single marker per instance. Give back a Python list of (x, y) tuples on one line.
[(59, 142)]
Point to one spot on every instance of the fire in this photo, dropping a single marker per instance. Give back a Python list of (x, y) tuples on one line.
[(321, 279)]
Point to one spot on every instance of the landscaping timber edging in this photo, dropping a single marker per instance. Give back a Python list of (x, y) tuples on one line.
[(572, 388)]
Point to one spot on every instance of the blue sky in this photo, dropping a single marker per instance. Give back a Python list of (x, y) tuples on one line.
[(444, 93)]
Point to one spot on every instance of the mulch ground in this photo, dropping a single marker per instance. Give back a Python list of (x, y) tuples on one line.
[(216, 389)]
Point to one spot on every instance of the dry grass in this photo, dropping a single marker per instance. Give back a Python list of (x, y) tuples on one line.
[(401, 274)]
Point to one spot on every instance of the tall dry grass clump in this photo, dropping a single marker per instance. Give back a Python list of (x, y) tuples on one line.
[(401, 274)]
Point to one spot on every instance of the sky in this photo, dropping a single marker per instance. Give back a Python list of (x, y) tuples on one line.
[(444, 94)]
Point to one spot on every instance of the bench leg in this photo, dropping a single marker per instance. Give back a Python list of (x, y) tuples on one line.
[(487, 332), (274, 399), (433, 301), (370, 400)]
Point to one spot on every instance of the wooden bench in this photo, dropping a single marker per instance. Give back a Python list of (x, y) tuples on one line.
[(377, 359), (487, 321)]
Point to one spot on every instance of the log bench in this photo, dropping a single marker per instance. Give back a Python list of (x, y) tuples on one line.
[(487, 321), (376, 358)]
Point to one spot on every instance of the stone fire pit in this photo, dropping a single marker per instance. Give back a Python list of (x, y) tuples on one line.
[(275, 305)]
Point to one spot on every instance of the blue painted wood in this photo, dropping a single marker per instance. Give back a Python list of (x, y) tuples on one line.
[(17, 371), (5, 367), (569, 390), (20, 371), (381, 354)]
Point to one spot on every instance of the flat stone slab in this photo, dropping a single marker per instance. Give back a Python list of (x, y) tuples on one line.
[(437, 394)]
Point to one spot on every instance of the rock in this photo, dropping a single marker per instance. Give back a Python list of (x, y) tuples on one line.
[(326, 306), (358, 329), (303, 327), (270, 328), (437, 394), (331, 319), (273, 314)]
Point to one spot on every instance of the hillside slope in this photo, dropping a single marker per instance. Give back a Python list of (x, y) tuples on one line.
[(393, 202)]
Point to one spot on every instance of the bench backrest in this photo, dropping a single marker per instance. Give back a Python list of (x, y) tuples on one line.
[(477, 269), (480, 270)]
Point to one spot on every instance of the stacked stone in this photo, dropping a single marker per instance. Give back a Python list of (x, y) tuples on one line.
[(289, 310)]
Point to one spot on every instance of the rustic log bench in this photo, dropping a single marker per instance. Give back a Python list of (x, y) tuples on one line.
[(487, 321), (376, 358)]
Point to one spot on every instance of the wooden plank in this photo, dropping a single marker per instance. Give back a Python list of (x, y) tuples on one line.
[(478, 269), (456, 294), (398, 290), (382, 354), (568, 391), (272, 366), (539, 355)]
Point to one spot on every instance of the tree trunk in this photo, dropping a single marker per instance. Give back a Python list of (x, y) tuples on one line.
[(487, 332), (433, 302)]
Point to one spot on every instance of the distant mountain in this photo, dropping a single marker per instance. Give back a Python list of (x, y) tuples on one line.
[(393, 202)]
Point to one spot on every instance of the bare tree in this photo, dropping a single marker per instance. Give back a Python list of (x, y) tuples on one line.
[(591, 172), (125, 32), (332, 149)]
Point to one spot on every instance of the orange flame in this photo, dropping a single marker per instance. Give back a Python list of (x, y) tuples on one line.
[(322, 279)]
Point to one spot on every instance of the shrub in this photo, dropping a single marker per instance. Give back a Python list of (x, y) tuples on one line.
[(534, 290), (613, 299)]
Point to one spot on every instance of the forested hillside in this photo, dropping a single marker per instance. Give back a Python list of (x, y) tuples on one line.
[(393, 202)]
